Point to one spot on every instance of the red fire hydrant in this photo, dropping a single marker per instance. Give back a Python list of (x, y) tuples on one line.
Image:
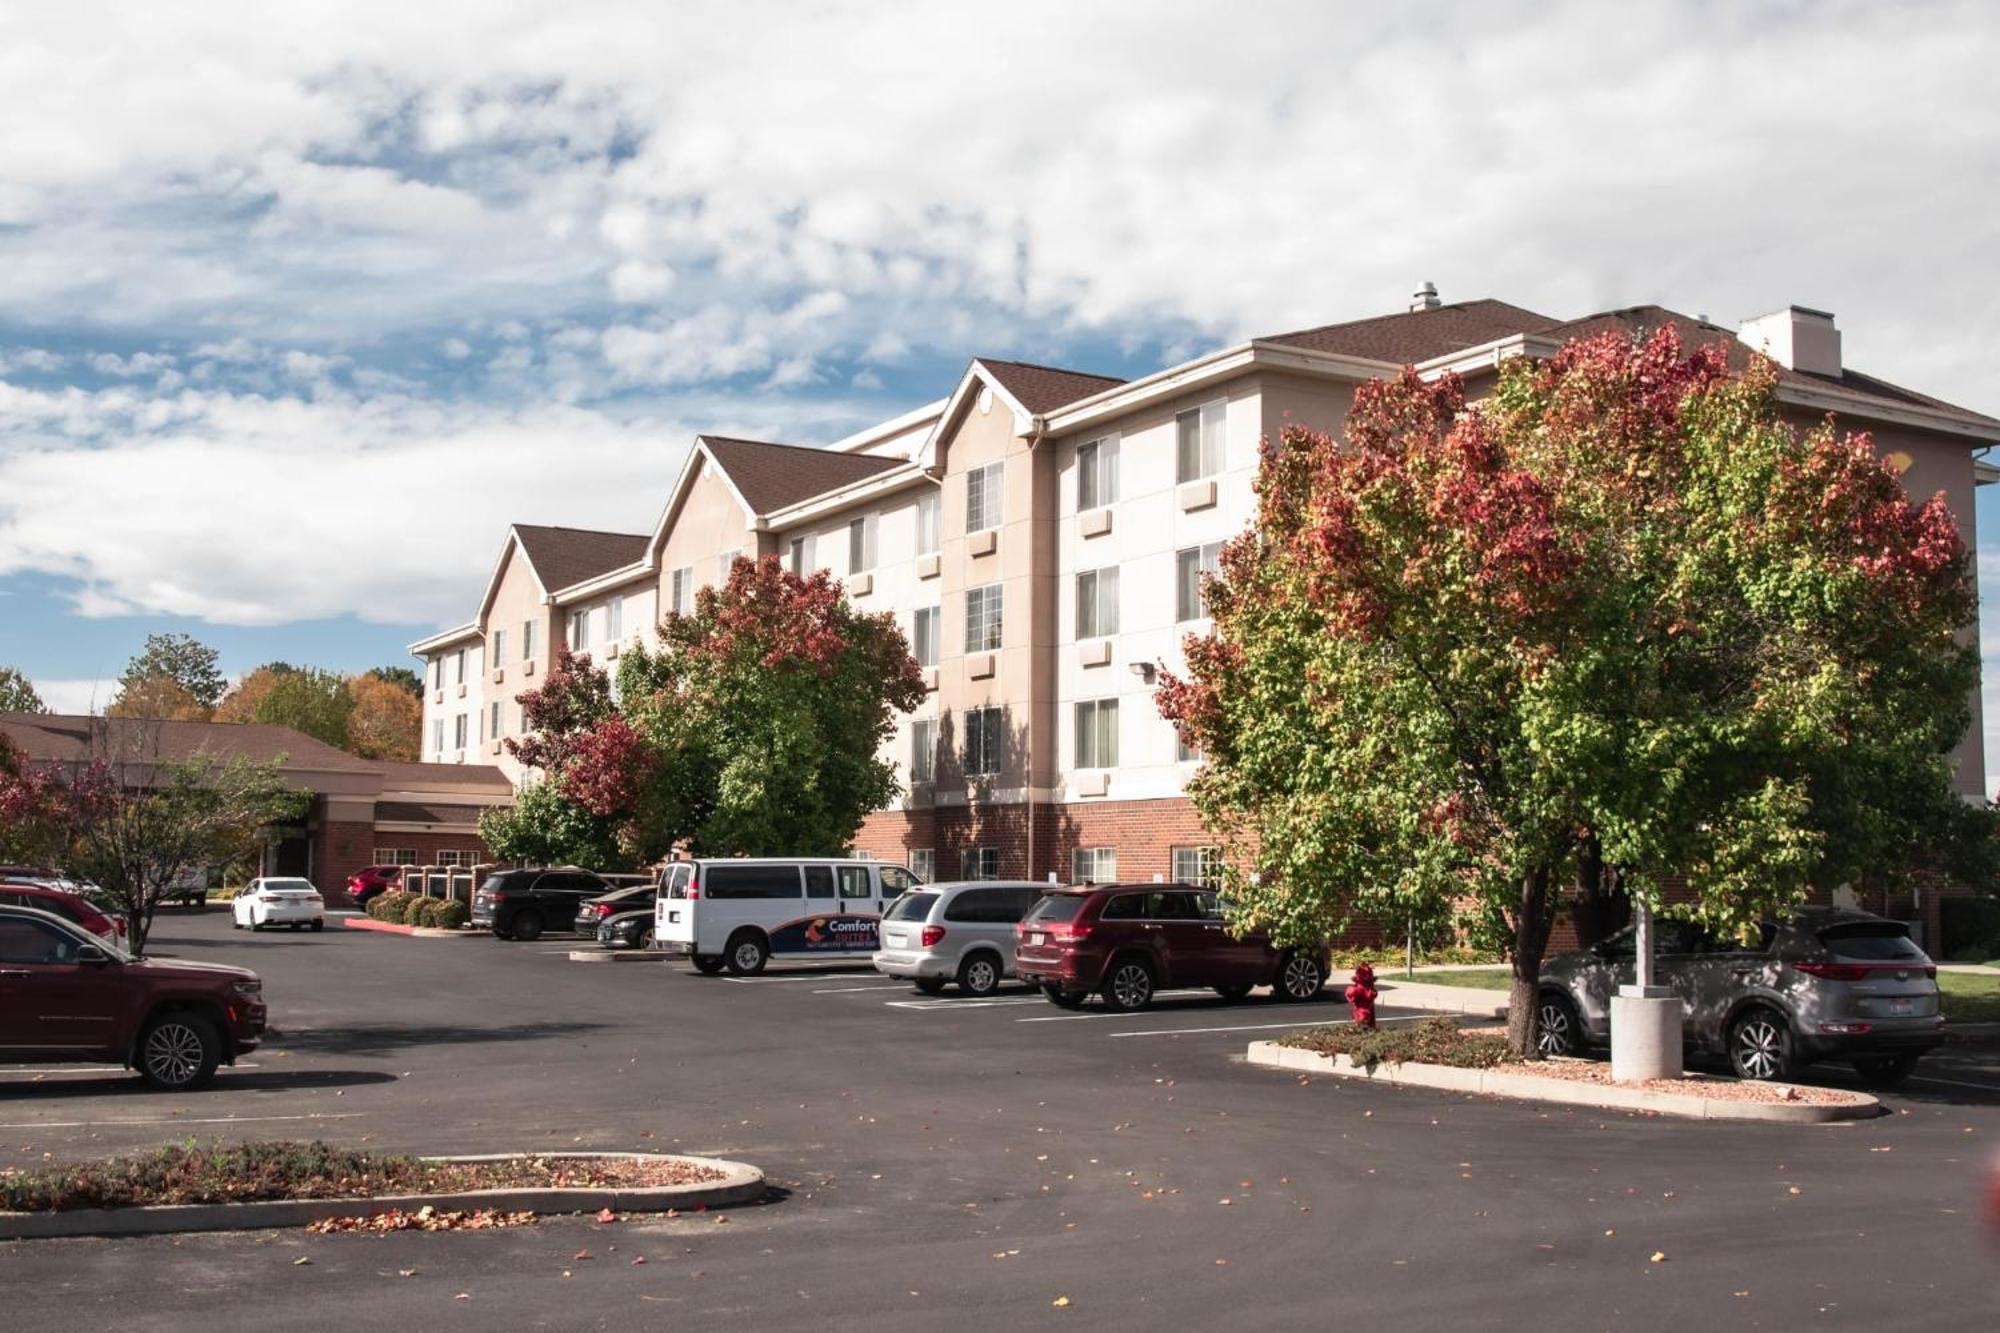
[(1361, 996)]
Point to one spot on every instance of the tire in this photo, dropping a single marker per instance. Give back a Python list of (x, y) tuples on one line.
[(928, 985), (708, 964), (1233, 992), (646, 938), (320, 924), (1128, 986), (178, 1052), (1886, 1071), (1558, 1028), (747, 953), (1064, 999), (1760, 1044), (1300, 977), (979, 974), (298, 926), (525, 926), (255, 925)]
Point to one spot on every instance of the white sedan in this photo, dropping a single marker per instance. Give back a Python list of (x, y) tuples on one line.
[(279, 902)]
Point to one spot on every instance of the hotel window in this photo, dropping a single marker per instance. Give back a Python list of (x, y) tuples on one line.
[(1198, 865), (1183, 752), (458, 732), (437, 736), (1097, 733), (395, 856), (724, 563), (979, 863), (437, 673), (495, 733), (1189, 566), (923, 863), (579, 630), (924, 624), (923, 750), (1094, 865), (498, 651), (527, 639), (614, 620), (861, 544), (982, 498), (982, 618), (1200, 452), (985, 740), (1097, 474), (927, 523), (680, 591), (802, 555), (1096, 603), (453, 860)]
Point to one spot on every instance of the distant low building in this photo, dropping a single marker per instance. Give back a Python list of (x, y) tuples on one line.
[(363, 811)]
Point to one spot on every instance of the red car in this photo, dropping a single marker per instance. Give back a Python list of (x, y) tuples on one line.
[(369, 881), (65, 996), (1128, 942), (71, 907)]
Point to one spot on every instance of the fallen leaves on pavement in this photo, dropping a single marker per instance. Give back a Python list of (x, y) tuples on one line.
[(426, 1218)]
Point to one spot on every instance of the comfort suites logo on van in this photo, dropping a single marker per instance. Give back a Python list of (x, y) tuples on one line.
[(825, 932)]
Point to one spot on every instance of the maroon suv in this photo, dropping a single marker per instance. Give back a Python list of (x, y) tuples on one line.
[(67, 996), (1130, 941)]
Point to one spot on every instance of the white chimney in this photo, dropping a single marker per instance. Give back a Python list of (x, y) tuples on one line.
[(1424, 297), (1797, 339)]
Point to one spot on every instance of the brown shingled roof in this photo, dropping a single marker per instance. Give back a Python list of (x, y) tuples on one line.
[(1641, 321), (1419, 335), (412, 812), (770, 476), (61, 738), (563, 556), (1045, 388)]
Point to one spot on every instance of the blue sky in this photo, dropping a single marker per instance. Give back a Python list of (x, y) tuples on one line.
[(299, 308)]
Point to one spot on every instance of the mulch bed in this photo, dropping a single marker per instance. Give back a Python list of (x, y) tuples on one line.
[(250, 1172)]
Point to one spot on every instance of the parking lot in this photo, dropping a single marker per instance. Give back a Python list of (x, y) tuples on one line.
[(952, 1160)]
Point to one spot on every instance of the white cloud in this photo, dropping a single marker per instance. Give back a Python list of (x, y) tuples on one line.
[(76, 696), (636, 281)]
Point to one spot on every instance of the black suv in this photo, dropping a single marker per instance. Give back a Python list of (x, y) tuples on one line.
[(521, 904)]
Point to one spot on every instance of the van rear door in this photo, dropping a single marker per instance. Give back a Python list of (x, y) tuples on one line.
[(674, 909)]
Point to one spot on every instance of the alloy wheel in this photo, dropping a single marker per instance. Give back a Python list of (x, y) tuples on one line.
[(980, 976), (1302, 978), (1553, 1033), (1760, 1046), (174, 1053), (1132, 986)]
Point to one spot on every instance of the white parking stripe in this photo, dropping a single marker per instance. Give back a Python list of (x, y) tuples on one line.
[(1957, 1083), (1247, 1027), (178, 1120), (850, 990)]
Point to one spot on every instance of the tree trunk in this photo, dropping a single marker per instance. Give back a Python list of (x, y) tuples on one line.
[(1532, 918), (1601, 907)]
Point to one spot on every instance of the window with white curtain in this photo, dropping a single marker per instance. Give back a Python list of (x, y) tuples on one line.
[(1097, 733), (1096, 473), (1096, 603), (1200, 445), (927, 523)]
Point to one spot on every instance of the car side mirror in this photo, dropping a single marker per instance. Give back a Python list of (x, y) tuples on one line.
[(89, 955)]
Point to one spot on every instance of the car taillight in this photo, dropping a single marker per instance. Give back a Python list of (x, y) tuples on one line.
[(1861, 971), (694, 888), (931, 936), (1070, 931)]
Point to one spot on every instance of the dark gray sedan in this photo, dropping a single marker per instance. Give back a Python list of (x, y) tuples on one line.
[(1820, 983)]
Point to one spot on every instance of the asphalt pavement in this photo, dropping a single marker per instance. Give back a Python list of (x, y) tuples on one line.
[(952, 1163)]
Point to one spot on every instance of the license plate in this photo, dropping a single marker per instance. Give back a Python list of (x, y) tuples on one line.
[(1902, 1008), (1036, 937), (895, 938)]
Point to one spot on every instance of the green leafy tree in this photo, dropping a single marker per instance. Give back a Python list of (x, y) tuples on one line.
[(17, 693), (404, 678), (763, 712), (317, 703), (543, 827), (174, 677), (548, 825), (1619, 620)]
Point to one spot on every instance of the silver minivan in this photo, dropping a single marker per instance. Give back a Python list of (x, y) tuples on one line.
[(962, 932)]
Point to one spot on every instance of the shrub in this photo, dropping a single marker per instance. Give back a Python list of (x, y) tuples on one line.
[(453, 915), (1435, 1041), (1968, 928), (432, 914), (413, 909), (389, 906)]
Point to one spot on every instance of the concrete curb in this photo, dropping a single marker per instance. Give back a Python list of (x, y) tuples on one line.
[(1529, 1087), (617, 956), (740, 1184), (392, 928)]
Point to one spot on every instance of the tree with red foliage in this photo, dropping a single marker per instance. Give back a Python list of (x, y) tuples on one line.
[(579, 811), (1618, 614)]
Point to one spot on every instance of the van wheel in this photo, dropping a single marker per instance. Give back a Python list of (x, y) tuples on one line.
[(1128, 987), (979, 974), (179, 1052), (1065, 999), (525, 926), (1886, 1071), (708, 964), (319, 923), (747, 953), (1760, 1044), (928, 985)]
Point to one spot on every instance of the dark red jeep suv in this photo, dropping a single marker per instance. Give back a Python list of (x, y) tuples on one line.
[(1128, 942), (66, 996)]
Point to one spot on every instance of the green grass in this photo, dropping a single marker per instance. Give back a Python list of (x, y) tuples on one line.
[(1968, 996)]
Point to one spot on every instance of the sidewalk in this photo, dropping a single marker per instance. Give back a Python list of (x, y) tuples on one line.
[(1445, 999)]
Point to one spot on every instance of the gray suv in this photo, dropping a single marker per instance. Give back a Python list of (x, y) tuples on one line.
[(941, 933), (1819, 984)]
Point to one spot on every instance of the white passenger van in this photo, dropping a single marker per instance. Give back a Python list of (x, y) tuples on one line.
[(740, 914)]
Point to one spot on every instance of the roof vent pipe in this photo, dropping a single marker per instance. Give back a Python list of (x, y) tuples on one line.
[(1424, 297)]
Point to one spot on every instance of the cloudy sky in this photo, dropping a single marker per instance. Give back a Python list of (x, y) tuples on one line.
[(300, 305)]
